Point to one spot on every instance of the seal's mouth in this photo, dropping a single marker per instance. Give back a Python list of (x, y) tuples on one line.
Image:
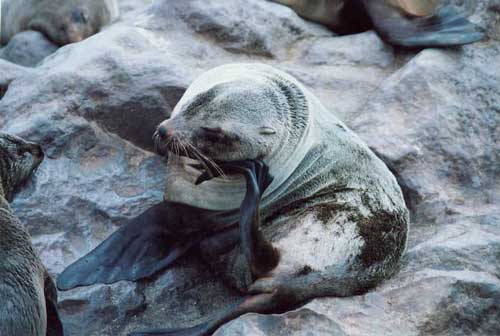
[(182, 148)]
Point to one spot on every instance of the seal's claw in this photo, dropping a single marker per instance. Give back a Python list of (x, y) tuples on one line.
[(196, 166), (205, 176)]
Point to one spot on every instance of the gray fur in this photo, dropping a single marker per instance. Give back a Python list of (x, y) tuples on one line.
[(23, 278), (334, 210), (62, 21)]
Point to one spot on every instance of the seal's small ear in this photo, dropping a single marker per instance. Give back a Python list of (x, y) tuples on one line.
[(266, 130)]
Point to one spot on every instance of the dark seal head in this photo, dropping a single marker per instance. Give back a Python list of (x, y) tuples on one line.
[(61, 21), (67, 22), (27, 292), (18, 159)]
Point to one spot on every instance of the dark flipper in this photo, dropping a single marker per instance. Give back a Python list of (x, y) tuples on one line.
[(139, 249), (261, 303), (260, 254), (54, 324), (445, 28)]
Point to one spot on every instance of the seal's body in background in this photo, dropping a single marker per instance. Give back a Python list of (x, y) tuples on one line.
[(28, 294), (61, 21), (408, 23)]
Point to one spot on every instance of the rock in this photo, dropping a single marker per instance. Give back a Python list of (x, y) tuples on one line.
[(9, 72), (28, 48), (300, 322), (432, 115)]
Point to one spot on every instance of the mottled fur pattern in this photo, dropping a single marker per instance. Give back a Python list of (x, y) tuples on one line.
[(23, 278), (334, 210), (61, 21)]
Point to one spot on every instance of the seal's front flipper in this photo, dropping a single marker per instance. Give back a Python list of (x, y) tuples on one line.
[(137, 250), (445, 28), (261, 303), (261, 255)]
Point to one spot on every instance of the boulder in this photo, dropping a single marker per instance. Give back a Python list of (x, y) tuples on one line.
[(431, 115), (28, 48)]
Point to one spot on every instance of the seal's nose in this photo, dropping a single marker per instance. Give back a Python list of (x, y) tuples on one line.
[(163, 132)]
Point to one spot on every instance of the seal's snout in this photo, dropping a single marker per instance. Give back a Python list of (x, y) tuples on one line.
[(161, 138)]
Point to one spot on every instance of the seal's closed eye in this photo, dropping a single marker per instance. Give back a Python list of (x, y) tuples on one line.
[(212, 130), (212, 133)]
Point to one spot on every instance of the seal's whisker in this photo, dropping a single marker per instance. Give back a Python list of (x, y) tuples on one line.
[(158, 148), (183, 147), (203, 157), (197, 155), (177, 150), (204, 163)]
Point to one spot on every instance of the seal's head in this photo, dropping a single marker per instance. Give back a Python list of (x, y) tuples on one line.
[(66, 22), (236, 120), (234, 112), (18, 159)]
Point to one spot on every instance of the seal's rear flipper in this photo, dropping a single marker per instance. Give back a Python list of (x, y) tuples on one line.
[(139, 249), (445, 28), (54, 324)]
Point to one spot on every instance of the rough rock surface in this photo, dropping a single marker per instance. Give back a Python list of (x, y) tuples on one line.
[(28, 48), (432, 115)]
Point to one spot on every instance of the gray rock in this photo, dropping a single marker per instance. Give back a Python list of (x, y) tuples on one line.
[(433, 116), (300, 322), (8, 73), (28, 48)]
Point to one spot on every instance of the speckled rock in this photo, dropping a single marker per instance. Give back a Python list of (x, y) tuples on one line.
[(28, 48), (432, 115), (8, 73)]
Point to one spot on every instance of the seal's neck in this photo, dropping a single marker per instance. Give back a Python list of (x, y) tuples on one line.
[(295, 146), (5, 181)]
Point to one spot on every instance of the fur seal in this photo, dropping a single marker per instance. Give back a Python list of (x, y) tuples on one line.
[(306, 208), (29, 295), (61, 21), (407, 23)]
